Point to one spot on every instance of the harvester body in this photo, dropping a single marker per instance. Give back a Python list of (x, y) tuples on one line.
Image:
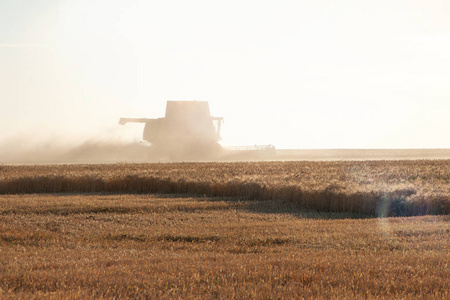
[(186, 131)]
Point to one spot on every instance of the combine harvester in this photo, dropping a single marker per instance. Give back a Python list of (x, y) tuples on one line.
[(189, 132)]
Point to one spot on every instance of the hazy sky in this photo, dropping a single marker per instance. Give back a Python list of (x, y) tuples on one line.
[(296, 74)]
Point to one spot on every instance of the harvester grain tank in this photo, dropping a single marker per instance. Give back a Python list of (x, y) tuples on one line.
[(188, 131)]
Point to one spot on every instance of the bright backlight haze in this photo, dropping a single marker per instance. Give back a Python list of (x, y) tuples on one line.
[(296, 74)]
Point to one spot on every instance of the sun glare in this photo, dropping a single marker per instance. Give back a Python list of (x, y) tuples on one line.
[(294, 74)]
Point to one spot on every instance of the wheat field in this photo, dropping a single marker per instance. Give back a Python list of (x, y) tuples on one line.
[(219, 230), (373, 188)]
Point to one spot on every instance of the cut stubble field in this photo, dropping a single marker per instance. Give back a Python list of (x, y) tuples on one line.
[(77, 241)]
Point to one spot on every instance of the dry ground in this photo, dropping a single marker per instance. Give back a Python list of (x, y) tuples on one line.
[(147, 246)]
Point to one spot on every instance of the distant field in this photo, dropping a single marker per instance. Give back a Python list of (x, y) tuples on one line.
[(226, 230), (361, 154)]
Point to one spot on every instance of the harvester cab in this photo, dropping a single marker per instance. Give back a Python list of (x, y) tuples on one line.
[(188, 131)]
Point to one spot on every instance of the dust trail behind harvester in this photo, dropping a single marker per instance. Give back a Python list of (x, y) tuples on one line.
[(88, 151), (187, 133), (16, 151)]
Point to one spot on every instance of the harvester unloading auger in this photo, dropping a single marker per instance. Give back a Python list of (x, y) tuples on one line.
[(188, 131)]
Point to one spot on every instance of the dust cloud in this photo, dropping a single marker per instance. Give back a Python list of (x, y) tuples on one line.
[(93, 151), (18, 150), (117, 147)]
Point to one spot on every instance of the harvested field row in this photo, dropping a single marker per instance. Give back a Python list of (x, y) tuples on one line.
[(374, 188), (84, 246)]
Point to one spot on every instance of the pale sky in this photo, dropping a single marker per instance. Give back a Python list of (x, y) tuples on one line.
[(296, 74)]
